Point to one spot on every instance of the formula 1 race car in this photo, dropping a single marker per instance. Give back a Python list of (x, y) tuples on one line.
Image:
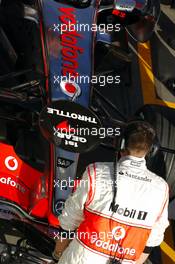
[(51, 50)]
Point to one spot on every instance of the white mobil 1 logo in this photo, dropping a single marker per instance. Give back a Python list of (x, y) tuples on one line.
[(11, 163)]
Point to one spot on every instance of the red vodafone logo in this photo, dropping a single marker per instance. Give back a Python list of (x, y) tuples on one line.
[(70, 88), (11, 163), (118, 233)]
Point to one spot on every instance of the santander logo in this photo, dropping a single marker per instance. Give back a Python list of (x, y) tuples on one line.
[(11, 163)]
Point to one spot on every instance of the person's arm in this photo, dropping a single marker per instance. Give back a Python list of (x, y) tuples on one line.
[(60, 246), (73, 212), (157, 233), (142, 258)]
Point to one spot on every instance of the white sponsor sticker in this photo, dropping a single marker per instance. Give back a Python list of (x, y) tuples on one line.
[(118, 233), (11, 163), (70, 88), (125, 5)]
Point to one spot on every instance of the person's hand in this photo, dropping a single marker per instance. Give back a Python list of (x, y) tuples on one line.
[(61, 245), (56, 256)]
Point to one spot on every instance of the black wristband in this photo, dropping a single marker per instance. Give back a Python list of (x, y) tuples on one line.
[(147, 250)]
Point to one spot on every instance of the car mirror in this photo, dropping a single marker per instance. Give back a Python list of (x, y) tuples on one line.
[(124, 5)]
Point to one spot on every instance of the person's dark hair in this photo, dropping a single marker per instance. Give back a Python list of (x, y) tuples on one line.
[(139, 136)]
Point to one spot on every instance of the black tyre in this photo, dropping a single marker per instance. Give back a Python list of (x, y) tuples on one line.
[(163, 120)]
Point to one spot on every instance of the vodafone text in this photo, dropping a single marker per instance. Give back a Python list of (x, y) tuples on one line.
[(9, 181), (70, 51), (113, 247)]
